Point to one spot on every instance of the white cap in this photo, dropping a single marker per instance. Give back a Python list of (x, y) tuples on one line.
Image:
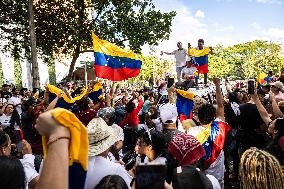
[(168, 113), (116, 99)]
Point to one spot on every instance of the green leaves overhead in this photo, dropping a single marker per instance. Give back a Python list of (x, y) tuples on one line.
[(246, 60)]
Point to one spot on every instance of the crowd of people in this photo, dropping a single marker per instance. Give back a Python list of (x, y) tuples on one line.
[(232, 141)]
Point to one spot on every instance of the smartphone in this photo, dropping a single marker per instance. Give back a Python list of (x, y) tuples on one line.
[(19, 140), (150, 176), (171, 82), (251, 86)]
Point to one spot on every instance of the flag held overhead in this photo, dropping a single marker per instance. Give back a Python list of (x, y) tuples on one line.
[(113, 62)]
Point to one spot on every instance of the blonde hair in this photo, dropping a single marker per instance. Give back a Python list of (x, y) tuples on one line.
[(260, 170)]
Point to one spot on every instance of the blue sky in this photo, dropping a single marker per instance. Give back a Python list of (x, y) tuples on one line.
[(224, 22)]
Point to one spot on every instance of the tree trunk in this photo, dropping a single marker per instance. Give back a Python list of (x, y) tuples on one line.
[(17, 72), (51, 72), (1, 74), (73, 62), (35, 72), (29, 74)]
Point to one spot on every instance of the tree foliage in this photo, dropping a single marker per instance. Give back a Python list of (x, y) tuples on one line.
[(64, 27), (246, 60)]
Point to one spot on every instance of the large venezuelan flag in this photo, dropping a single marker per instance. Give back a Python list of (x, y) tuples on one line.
[(113, 62), (200, 58), (184, 104), (212, 138)]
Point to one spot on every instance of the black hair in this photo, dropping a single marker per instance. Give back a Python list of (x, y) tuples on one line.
[(12, 173), (83, 104), (157, 141), (130, 106), (112, 182), (15, 118), (3, 138), (233, 97), (274, 147), (206, 113), (146, 97), (201, 41)]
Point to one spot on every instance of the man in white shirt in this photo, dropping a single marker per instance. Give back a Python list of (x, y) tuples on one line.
[(16, 100), (187, 73), (180, 56)]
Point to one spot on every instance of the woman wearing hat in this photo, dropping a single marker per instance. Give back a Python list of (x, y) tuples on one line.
[(101, 138), (277, 88)]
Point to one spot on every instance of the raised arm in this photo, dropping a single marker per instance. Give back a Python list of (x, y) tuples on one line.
[(219, 99), (54, 102), (262, 111), (55, 168)]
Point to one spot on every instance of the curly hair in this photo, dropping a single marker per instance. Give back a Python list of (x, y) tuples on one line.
[(206, 113), (260, 170)]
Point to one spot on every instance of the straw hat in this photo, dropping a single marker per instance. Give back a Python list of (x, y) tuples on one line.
[(101, 136)]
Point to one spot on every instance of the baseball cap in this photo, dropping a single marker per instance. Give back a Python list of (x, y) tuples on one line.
[(168, 113)]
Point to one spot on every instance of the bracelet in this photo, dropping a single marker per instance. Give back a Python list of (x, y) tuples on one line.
[(56, 139)]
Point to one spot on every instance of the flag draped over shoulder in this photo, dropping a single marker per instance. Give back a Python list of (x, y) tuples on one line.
[(65, 102), (184, 104), (78, 147), (200, 58), (113, 62), (212, 138), (96, 93)]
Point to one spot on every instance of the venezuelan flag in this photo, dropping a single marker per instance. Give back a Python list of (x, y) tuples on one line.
[(96, 93), (65, 102), (200, 58), (113, 62), (212, 138), (184, 104)]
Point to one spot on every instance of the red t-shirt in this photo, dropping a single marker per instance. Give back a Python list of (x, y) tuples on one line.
[(132, 118)]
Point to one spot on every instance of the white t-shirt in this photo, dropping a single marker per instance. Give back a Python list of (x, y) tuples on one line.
[(188, 72), (29, 168), (5, 120), (16, 101), (99, 167), (180, 56)]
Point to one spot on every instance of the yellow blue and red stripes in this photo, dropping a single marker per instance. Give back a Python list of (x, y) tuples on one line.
[(212, 138), (200, 58), (113, 62), (184, 104)]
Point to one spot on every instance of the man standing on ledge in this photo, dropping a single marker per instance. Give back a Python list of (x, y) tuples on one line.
[(200, 57), (180, 56)]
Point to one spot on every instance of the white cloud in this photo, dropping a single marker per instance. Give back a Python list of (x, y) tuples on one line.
[(256, 26), (185, 27), (269, 1), (276, 33), (226, 28), (200, 14)]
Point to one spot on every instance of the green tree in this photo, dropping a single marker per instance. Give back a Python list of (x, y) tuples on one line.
[(68, 29), (17, 72), (246, 60), (51, 71)]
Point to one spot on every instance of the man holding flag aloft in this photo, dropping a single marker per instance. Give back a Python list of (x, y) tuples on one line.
[(200, 58)]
